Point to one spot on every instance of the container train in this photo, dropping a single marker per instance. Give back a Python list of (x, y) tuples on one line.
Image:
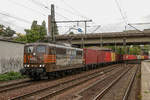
[(48, 60)]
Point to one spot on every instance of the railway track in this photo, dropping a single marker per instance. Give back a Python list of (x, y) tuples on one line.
[(52, 90), (128, 90), (17, 84), (88, 90), (134, 91), (103, 95)]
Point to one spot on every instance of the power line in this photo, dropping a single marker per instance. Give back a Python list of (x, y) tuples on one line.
[(9, 24), (96, 28), (139, 23), (17, 18), (46, 7), (26, 7), (65, 10), (64, 26), (62, 15), (134, 28), (74, 10), (122, 15), (40, 4), (69, 11)]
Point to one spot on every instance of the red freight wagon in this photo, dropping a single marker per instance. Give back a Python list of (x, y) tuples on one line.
[(101, 56), (129, 57), (132, 57), (119, 57), (108, 57), (145, 57), (90, 56)]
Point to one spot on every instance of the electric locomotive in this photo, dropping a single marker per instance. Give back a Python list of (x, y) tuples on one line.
[(47, 59)]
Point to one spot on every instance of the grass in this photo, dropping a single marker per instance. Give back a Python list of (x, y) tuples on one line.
[(11, 76)]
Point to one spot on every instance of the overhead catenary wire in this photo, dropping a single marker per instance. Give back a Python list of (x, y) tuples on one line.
[(123, 16), (46, 7), (8, 23), (134, 28), (62, 15), (68, 11), (39, 4), (120, 10), (14, 17), (26, 7), (139, 23), (74, 10), (96, 28)]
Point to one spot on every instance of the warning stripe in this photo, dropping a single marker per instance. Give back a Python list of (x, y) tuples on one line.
[(49, 58), (25, 60)]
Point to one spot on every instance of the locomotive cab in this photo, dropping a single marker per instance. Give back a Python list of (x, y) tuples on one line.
[(36, 59)]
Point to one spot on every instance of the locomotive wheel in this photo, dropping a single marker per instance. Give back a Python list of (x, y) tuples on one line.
[(37, 78)]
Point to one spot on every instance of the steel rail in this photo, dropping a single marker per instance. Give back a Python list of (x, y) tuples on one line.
[(101, 94), (129, 86), (12, 86), (36, 91)]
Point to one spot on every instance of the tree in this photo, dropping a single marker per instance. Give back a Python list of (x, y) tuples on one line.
[(134, 50), (37, 32), (34, 24), (9, 32), (21, 38), (6, 31), (43, 29), (71, 33), (1, 29)]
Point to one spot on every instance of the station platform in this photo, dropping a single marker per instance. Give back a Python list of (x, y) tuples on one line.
[(145, 80)]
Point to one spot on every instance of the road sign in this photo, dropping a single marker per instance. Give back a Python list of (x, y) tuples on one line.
[(80, 30)]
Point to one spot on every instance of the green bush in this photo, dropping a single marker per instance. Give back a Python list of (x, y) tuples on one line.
[(10, 76)]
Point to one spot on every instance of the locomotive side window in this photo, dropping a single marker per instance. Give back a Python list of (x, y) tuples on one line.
[(61, 51), (52, 50), (29, 49), (41, 49), (79, 53)]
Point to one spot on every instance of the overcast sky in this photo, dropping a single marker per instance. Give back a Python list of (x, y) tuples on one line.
[(19, 14)]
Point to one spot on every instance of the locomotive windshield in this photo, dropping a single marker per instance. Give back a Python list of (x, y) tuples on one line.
[(29, 49), (41, 49)]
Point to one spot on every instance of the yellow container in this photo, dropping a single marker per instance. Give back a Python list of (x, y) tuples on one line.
[(142, 57), (113, 56)]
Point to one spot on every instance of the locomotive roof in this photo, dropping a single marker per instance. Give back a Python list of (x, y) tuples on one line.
[(54, 45), (100, 48)]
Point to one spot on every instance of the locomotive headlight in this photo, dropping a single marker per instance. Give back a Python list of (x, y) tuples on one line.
[(27, 65), (43, 65), (40, 65)]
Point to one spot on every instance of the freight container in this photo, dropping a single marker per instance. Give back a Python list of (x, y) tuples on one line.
[(145, 57), (108, 57), (90, 56), (113, 56), (101, 56)]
